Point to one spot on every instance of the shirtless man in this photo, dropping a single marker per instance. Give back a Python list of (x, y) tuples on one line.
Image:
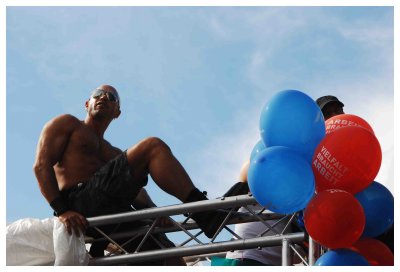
[(82, 175)]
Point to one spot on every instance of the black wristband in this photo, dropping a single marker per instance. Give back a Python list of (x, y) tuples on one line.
[(59, 206)]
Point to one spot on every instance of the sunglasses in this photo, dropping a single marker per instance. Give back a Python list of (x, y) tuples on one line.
[(111, 96)]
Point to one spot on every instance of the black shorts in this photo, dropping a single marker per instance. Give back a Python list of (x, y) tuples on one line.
[(110, 190)]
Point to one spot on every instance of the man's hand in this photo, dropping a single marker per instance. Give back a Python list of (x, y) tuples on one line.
[(73, 221)]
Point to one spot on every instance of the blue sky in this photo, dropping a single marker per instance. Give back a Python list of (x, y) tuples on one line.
[(197, 77)]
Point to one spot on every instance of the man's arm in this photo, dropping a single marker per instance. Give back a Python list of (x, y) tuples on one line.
[(52, 143)]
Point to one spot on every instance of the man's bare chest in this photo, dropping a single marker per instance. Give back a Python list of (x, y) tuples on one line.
[(85, 141)]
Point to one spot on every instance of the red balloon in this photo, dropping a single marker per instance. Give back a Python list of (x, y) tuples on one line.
[(346, 120), (348, 158), (334, 218), (376, 252)]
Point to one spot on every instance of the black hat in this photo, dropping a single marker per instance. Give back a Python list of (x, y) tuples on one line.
[(324, 100)]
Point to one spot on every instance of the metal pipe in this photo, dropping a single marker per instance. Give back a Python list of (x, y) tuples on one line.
[(298, 255), (198, 249), (311, 251), (111, 240), (222, 225), (203, 257), (242, 218), (285, 252), (197, 206), (269, 227), (146, 235)]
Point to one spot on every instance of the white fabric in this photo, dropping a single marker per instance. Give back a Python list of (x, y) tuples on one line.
[(266, 255), (33, 241)]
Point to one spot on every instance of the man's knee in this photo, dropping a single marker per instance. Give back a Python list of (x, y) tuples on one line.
[(140, 155), (154, 144)]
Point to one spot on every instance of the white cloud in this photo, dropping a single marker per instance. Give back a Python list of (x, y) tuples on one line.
[(378, 110), (367, 32)]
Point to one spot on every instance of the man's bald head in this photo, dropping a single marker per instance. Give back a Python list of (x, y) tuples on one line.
[(109, 88)]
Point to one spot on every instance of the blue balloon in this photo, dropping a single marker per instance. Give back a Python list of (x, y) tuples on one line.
[(257, 149), (341, 257), (378, 204), (281, 180), (292, 119)]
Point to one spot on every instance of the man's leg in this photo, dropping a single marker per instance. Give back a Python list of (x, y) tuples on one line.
[(152, 156)]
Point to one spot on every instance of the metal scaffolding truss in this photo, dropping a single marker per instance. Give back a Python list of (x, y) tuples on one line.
[(194, 246)]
